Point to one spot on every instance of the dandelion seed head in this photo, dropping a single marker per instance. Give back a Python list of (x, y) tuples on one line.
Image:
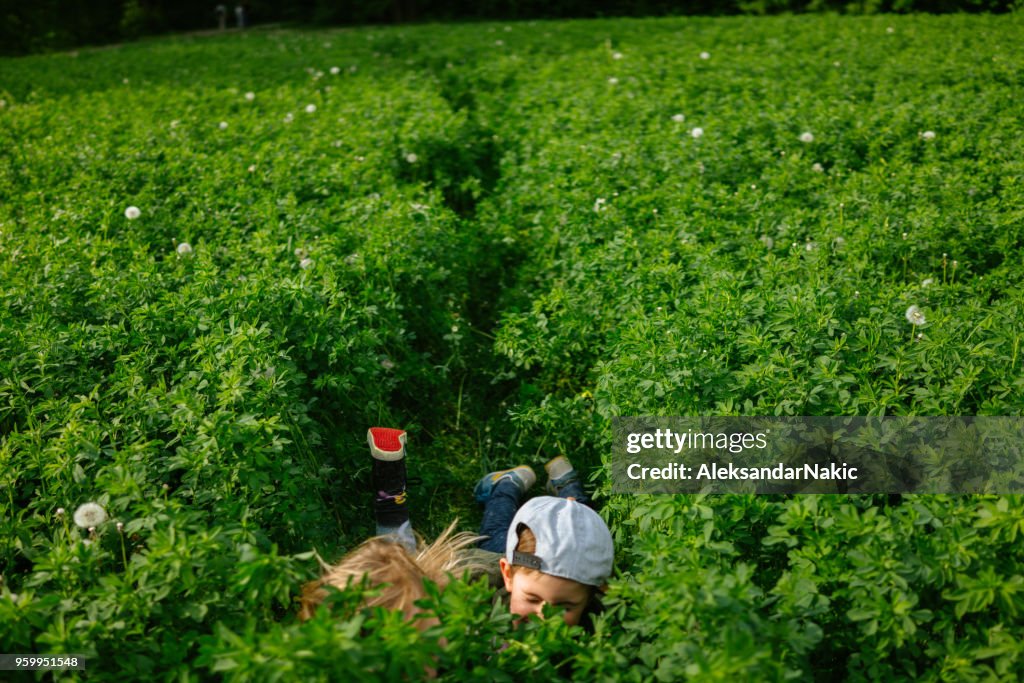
[(915, 316), (132, 212), (223, 125), (252, 168), (120, 527), (301, 253), (411, 158), (890, 29), (335, 70), (387, 363), (288, 118), (310, 108), (697, 132), (817, 168), (928, 135), (678, 118), (927, 282), (613, 80), (175, 123), (705, 55), (807, 137), (306, 263), (767, 241), (904, 235), (616, 55), (90, 515), (60, 512), (599, 204), (184, 249), (250, 96)]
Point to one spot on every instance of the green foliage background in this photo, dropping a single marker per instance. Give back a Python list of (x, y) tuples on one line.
[(513, 235)]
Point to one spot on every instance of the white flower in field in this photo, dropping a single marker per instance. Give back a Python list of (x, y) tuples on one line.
[(811, 246), (306, 263), (613, 80), (3, 103), (90, 515), (920, 336), (60, 512), (818, 168), (616, 55), (411, 158), (252, 168), (705, 55), (288, 118), (807, 137), (697, 132), (838, 243), (915, 316), (352, 259), (184, 249), (352, 69), (927, 282), (175, 123), (301, 253), (120, 527), (416, 206), (223, 125), (335, 70), (599, 205), (890, 29), (310, 108), (132, 212), (928, 135), (499, 42), (767, 241), (250, 96), (679, 118), (387, 363)]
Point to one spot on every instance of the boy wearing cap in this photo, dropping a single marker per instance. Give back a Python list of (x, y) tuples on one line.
[(554, 549)]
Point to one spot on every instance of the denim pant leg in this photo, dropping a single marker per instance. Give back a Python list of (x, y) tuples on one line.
[(498, 513)]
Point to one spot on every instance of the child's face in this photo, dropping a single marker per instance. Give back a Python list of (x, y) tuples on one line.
[(529, 591)]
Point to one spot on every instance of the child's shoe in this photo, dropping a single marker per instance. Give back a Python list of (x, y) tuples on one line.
[(387, 446), (522, 476), (563, 481)]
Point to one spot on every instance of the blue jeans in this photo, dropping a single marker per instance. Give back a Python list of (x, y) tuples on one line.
[(501, 508)]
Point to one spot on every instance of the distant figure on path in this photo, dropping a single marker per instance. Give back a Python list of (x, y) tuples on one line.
[(222, 17), (240, 14)]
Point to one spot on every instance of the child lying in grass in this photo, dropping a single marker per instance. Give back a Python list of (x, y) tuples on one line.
[(553, 550)]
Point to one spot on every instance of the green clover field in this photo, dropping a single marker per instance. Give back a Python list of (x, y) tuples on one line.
[(224, 256)]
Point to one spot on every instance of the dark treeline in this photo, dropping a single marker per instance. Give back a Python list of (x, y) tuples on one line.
[(37, 25)]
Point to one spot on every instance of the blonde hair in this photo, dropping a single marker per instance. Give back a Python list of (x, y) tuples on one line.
[(399, 573)]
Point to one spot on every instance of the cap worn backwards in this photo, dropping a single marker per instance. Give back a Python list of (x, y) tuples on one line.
[(573, 542)]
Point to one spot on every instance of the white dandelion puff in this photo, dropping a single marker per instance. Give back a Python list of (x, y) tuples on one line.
[(928, 135), (60, 512), (705, 55), (120, 527), (90, 515), (890, 29), (132, 212), (252, 168), (306, 263), (223, 125), (915, 316), (335, 70), (806, 137), (301, 253), (616, 55), (288, 118), (817, 168), (310, 108), (613, 80), (811, 246), (697, 132), (250, 96), (599, 204), (767, 241), (499, 42), (411, 158), (352, 259), (927, 282), (184, 249), (678, 118), (387, 363), (175, 123)]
